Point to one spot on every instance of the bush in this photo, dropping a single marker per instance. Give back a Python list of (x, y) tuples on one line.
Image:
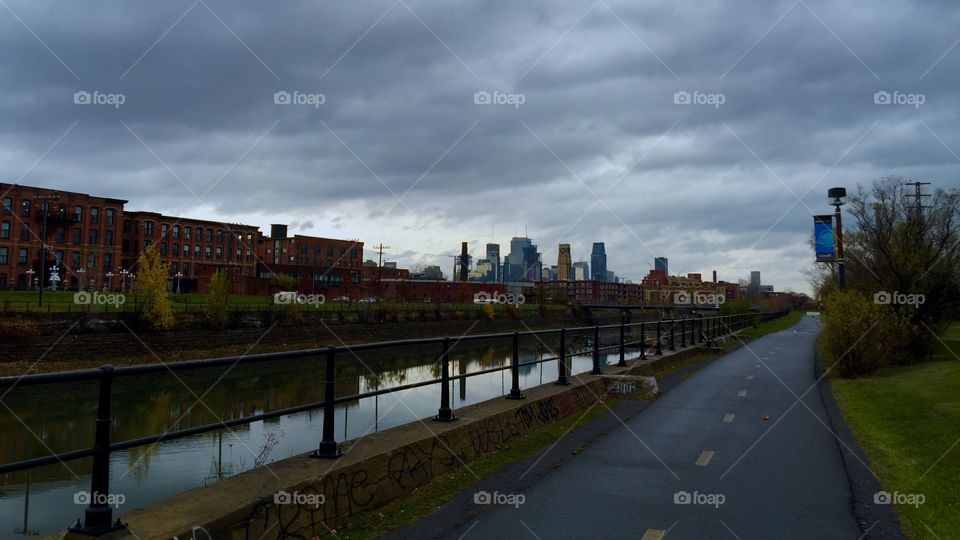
[(216, 301), (860, 335), (152, 284)]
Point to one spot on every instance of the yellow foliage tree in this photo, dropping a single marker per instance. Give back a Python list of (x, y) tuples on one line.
[(152, 288)]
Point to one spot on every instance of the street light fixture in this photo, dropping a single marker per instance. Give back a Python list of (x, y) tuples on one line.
[(109, 283), (178, 275), (838, 197)]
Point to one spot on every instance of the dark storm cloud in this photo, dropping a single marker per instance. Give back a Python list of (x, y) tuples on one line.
[(705, 185)]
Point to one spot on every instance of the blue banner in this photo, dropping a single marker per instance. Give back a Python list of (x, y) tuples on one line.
[(823, 238)]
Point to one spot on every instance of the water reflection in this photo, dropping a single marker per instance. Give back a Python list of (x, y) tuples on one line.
[(59, 418)]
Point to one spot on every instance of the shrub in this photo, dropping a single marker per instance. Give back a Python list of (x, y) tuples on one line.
[(860, 335), (152, 283), (216, 301)]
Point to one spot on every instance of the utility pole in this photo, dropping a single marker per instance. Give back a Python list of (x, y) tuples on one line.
[(380, 249), (918, 196)]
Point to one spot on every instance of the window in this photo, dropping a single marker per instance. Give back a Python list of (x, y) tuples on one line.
[(196, 251), (197, 233), (303, 249), (107, 261), (343, 251), (329, 251), (163, 249), (94, 215), (125, 245), (148, 228), (238, 256), (176, 232), (163, 230), (22, 256), (206, 252), (108, 238), (219, 236), (173, 268), (4, 255), (110, 214), (26, 208), (7, 206), (75, 259), (78, 236), (219, 252), (60, 233), (186, 248), (5, 230), (186, 233), (93, 236), (209, 235), (91, 261), (175, 250), (78, 213), (353, 252), (24, 232), (127, 225)]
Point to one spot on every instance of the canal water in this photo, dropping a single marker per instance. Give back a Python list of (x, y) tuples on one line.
[(59, 418)]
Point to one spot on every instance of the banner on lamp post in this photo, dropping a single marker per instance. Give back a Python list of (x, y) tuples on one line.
[(823, 238)]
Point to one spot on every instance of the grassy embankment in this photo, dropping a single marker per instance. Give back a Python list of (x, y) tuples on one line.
[(907, 419)]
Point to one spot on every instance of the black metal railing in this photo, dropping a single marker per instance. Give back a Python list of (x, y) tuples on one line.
[(98, 518)]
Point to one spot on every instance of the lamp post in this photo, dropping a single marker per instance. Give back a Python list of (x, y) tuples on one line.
[(43, 239), (123, 279), (838, 197), (30, 274), (178, 275), (81, 284), (109, 284)]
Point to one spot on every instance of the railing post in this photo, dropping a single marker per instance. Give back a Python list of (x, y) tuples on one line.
[(328, 445), (673, 324), (659, 333), (515, 392), (98, 516), (683, 330), (643, 340), (623, 339), (596, 352), (562, 360), (445, 413)]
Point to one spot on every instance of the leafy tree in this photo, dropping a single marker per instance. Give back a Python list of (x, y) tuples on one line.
[(899, 248), (217, 299), (152, 286)]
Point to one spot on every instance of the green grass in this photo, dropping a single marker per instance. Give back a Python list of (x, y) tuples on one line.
[(907, 419), (775, 325)]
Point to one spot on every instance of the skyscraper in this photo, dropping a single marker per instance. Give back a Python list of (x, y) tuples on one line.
[(514, 268), (660, 263), (563, 263), (755, 279), (493, 255), (598, 262), (581, 271)]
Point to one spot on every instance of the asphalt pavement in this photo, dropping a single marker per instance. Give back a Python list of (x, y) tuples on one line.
[(744, 446)]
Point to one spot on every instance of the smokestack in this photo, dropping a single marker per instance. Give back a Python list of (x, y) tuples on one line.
[(464, 261), (714, 276)]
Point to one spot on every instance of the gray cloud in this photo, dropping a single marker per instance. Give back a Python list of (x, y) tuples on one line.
[(706, 186)]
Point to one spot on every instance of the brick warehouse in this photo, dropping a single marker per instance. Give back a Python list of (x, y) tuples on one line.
[(96, 239)]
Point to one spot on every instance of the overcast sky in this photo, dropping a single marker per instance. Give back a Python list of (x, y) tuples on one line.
[(704, 131)]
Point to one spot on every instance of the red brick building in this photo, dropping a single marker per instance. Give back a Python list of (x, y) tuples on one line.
[(194, 248), (83, 236), (322, 265), (592, 292)]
